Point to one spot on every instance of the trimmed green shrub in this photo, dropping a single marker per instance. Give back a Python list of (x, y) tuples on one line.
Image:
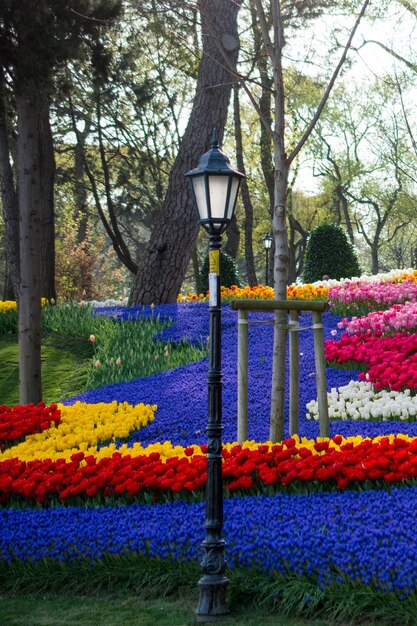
[(329, 253), (228, 272)]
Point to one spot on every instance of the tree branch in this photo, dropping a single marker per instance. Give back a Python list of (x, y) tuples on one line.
[(322, 104)]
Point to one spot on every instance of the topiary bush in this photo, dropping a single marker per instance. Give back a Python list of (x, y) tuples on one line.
[(229, 274), (329, 253)]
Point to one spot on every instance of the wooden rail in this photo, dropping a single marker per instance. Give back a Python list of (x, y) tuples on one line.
[(293, 307)]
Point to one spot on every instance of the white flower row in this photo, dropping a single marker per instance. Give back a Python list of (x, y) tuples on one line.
[(359, 401), (109, 302), (365, 278)]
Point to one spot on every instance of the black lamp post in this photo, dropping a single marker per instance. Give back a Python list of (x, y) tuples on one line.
[(214, 185), (267, 242)]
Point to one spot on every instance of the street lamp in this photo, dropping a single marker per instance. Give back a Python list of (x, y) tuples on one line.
[(267, 242), (214, 185)]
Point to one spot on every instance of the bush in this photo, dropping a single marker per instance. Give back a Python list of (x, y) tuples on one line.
[(228, 272), (329, 253)]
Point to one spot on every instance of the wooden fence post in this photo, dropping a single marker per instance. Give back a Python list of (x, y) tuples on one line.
[(294, 372), (321, 374)]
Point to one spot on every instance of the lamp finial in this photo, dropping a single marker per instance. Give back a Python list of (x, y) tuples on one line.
[(214, 139)]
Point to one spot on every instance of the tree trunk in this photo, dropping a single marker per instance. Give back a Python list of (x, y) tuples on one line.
[(9, 198), (244, 192), (231, 247), (292, 261), (279, 230), (80, 190), (274, 46), (345, 208), (8, 291), (47, 179), (265, 108), (196, 270), (168, 253), (375, 258), (30, 207)]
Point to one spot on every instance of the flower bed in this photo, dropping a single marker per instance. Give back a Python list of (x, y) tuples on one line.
[(18, 421), (332, 511), (252, 469), (359, 401)]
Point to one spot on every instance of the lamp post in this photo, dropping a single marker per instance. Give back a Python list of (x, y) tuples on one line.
[(214, 186), (267, 242)]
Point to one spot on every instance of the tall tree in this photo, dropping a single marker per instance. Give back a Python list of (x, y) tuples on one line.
[(173, 237), (36, 38), (284, 156), (365, 152), (126, 112), (8, 192)]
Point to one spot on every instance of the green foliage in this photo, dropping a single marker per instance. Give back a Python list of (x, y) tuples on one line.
[(87, 269), (253, 597), (228, 272), (127, 350), (36, 38), (65, 364), (8, 323), (71, 362), (329, 253)]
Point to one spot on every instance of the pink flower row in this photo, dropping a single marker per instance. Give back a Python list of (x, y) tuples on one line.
[(380, 293), (400, 317), (391, 361)]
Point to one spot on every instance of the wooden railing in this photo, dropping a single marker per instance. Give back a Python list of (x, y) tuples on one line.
[(293, 307)]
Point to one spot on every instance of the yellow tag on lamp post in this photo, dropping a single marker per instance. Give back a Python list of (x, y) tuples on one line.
[(214, 262), (214, 277)]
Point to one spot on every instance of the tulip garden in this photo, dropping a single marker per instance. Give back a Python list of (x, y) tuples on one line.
[(116, 475)]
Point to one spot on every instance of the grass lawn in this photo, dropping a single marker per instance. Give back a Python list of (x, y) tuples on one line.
[(64, 368), (124, 610)]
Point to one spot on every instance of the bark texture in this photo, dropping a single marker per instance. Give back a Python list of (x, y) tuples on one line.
[(9, 198), (47, 178), (30, 382), (168, 253), (231, 247)]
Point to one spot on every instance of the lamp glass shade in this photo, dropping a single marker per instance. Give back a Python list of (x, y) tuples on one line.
[(199, 188), (218, 186), (234, 188), (267, 241), (215, 185)]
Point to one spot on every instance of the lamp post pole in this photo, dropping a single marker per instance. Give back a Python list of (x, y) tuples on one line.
[(214, 185), (266, 266), (267, 243), (213, 583)]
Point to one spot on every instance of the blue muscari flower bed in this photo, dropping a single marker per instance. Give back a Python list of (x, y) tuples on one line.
[(365, 537)]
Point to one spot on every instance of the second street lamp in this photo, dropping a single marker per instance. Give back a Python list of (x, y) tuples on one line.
[(267, 242), (214, 185)]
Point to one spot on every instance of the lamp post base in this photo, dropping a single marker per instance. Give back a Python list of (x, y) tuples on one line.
[(212, 601)]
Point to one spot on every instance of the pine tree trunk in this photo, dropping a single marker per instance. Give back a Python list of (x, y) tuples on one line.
[(173, 237), (9, 200), (30, 384), (8, 290), (47, 180)]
